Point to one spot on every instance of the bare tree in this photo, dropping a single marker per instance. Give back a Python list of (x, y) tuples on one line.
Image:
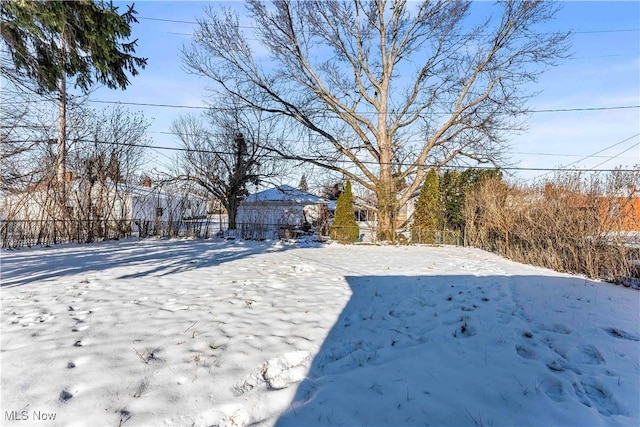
[(572, 222), (26, 125), (389, 88), (225, 155), (105, 151), (106, 155)]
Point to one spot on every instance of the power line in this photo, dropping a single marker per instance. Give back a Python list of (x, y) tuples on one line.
[(178, 21), (556, 110), (550, 110), (566, 168), (623, 30), (366, 162), (617, 155), (213, 134), (605, 149), (145, 104)]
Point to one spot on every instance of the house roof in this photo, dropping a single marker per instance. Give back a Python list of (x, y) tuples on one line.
[(284, 194)]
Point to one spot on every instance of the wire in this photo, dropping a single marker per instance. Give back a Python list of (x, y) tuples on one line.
[(212, 134), (605, 149), (550, 110), (318, 158), (178, 21), (617, 155), (557, 110), (565, 168)]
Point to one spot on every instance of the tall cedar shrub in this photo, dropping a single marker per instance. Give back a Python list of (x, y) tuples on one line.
[(345, 228), (452, 196), (454, 186), (426, 215)]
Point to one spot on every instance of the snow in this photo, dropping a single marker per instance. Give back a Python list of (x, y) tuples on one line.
[(234, 333)]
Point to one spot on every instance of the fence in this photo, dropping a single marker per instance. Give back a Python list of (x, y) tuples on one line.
[(27, 233), (21, 233), (436, 237)]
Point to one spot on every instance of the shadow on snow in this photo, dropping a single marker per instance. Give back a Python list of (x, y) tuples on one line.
[(150, 257), (449, 350)]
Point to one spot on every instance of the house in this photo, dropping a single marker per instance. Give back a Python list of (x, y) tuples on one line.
[(621, 211), (366, 218), (406, 211), (278, 212), (99, 210)]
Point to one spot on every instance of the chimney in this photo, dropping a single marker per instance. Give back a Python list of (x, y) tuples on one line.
[(146, 182), (68, 176)]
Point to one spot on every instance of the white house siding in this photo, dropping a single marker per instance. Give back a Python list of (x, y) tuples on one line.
[(120, 209), (268, 214)]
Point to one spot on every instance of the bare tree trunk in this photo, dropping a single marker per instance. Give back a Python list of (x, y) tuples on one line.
[(232, 212), (387, 208)]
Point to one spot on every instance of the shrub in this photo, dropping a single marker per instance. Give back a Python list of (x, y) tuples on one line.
[(345, 228), (427, 211)]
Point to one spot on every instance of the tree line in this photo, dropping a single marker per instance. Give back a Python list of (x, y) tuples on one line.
[(399, 87)]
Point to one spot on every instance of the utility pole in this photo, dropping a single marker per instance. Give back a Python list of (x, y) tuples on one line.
[(62, 117)]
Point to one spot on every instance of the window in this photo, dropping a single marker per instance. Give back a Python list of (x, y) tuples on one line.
[(159, 212)]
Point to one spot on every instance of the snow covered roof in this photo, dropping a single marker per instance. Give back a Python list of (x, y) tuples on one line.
[(284, 194)]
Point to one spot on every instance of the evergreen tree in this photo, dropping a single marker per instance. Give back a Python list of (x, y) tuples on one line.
[(345, 228), (302, 186), (454, 186), (51, 41), (81, 39), (452, 199), (427, 214)]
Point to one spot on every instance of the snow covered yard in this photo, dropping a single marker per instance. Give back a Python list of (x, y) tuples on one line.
[(203, 333)]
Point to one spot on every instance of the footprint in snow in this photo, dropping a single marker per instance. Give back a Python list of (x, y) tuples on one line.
[(557, 328), (277, 373), (526, 352), (506, 316), (619, 333), (597, 395), (553, 388), (589, 355)]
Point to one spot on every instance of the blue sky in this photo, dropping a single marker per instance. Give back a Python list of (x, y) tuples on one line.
[(604, 71)]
